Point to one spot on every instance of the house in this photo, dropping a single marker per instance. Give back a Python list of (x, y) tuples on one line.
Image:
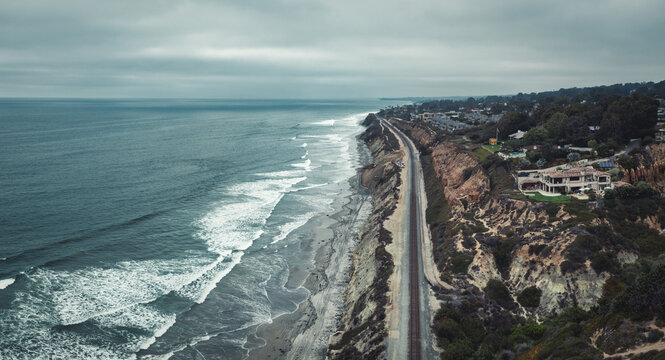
[(451, 125), (518, 135), (452, 114), (580, 149), (660, 135), (554, 182)]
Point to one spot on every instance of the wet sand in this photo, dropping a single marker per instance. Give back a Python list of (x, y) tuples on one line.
[(305, 333)]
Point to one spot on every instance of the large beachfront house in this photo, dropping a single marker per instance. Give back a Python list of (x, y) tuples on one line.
[(565, 181)]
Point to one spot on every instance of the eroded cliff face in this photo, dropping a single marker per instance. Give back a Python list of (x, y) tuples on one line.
[(460, 175), (480, 223), (537, 257), (651, 168), (362, 327)]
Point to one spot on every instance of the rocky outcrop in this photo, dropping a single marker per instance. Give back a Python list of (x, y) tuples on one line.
[(362, 328), (651, 168), (537, 257), (460, 175)]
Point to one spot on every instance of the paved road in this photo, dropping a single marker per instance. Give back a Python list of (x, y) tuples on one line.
[(418, 341)]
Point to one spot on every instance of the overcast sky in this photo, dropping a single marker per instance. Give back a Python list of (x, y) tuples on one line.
[(323, 49)]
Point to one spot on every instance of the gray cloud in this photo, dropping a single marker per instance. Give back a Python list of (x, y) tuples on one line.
[(344, 48)]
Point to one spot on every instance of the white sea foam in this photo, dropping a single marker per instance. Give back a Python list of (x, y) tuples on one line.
[(286, 229), (199, 289), (6, 282), (320, 204), (115, 299), (304, 156), (313, 186), (159, 332), (304, 145), (330, 122), (282, 174), (82, 294), (235, 224), (305, 165)]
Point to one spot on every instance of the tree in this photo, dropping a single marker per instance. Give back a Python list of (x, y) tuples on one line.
[(577, 131), (604, 150), (537, 135), (533, 156), (511, 122), (629, 117), (556, 126), (513, 145)]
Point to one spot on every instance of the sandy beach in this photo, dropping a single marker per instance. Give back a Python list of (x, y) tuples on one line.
[(305, 333)]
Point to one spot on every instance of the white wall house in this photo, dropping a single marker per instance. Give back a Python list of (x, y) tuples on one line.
[(566, 181), (518, 135)]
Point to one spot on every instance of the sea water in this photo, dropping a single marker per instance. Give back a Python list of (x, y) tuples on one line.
[(160, 228)]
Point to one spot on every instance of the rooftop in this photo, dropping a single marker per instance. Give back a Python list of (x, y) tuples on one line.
[(580, 171)]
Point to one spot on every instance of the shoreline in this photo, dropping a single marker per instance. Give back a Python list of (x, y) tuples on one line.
[(305, 333)]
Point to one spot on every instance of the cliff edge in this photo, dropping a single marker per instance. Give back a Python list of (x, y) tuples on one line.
[(362, 328)]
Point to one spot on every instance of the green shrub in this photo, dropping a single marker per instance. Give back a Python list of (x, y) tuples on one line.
[(551, 209), (530, 297), (646, 297), (612, 288), (503, 255), (460, 262), (659, 356), (458, 350), (571, 315), (498, 292), (533, 331), (604, 261), (459, 330), (580, 212)]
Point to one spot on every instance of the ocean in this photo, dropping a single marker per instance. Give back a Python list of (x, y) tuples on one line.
[(162, 228)]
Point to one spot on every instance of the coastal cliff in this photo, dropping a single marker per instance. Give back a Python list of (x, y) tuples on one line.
[(523, 272), (526, 273), (362, 327), (481, 225)]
